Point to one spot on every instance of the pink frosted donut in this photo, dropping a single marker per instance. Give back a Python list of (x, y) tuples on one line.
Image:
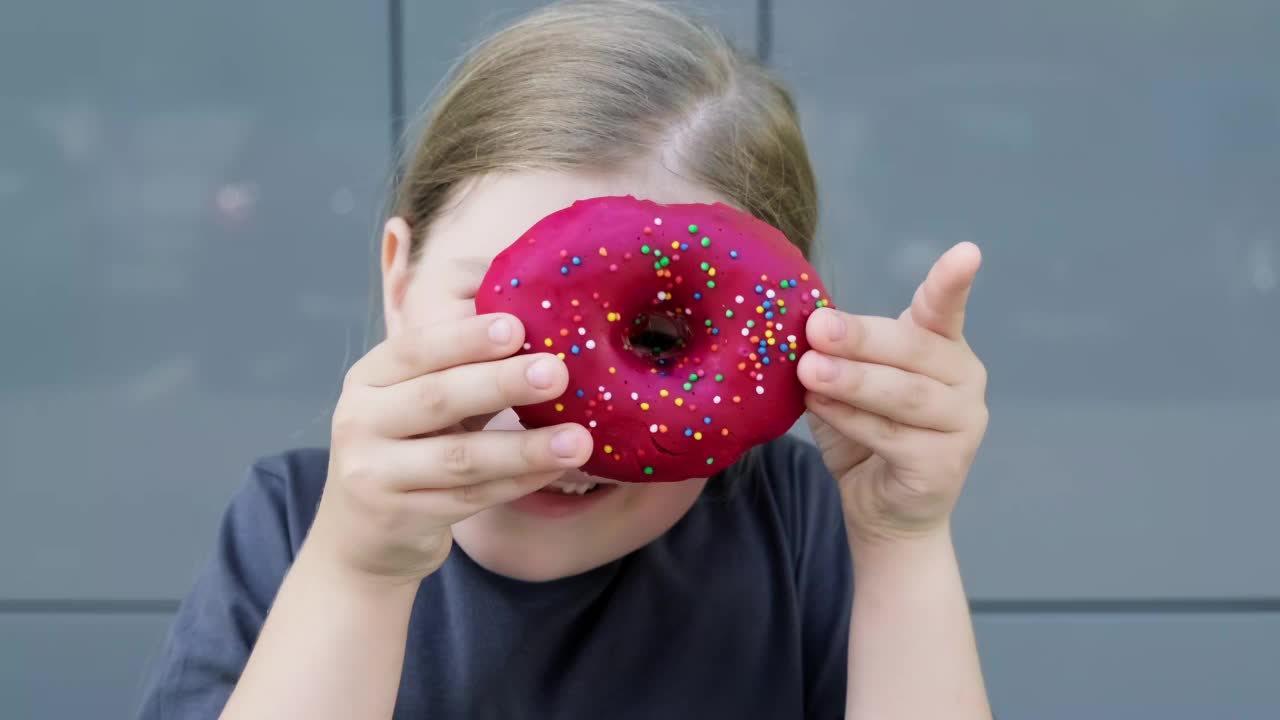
[(681, 326)]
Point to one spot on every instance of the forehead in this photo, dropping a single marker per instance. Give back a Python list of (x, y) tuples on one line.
[(491, 212)]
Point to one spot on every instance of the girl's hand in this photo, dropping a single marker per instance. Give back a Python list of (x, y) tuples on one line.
[(898, 406), (408, 458)]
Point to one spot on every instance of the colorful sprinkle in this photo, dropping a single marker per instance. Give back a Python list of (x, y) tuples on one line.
[(515, 282), (575, 350), (608, 449), (706, 242), (710, 460), (546, 304), (693, 228), (644, 249), (577, 260), (648, 470), (733, 254)]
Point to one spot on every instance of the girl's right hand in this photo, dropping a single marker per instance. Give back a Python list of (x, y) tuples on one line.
[(407, 458)]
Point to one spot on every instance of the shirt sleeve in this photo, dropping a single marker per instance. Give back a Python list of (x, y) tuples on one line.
[(824, 581), (218, 622)]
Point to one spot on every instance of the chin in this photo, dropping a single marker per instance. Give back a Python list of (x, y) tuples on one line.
[(532, 559), (554, 534)]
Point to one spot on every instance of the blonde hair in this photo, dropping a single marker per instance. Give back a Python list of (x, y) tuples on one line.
[(595, 84)]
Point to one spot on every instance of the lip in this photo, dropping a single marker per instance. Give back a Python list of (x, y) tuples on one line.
[(555, 504)]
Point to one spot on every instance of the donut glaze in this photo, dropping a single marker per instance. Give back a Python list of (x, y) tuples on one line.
[(680, 325)]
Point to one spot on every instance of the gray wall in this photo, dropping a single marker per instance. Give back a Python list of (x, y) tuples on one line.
[(188, 198)]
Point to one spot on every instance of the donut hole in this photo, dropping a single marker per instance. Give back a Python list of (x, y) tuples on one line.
[(657, 336)]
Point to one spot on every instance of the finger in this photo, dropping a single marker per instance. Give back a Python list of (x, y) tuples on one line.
[(430, 403), (451, 505), (886, 341), (898, 443), (423, 350), (939, 302), (904, 397), (462, 459)]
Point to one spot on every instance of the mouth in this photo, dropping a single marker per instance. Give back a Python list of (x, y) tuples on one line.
[(567, 487), (563, 498)]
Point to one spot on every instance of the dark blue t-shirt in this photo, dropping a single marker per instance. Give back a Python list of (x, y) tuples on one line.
[(741, 610)]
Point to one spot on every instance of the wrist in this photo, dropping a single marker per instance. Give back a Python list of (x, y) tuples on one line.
[(320, 568), (874, 551)]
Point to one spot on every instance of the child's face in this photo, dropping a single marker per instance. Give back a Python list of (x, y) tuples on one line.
[(460, 244)]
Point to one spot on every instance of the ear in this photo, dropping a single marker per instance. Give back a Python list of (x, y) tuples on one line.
[(397, 240)]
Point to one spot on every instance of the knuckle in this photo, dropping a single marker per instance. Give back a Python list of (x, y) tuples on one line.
[(916, 393), (512, 385), (431, 395), (407, 349), (458, 457), (357, 472), (982, 418), (888, 428), (917, 348), (855, 380), (351, 378), (345, 425), (980, 375), (532, 450), (856, 333), (470, 495)]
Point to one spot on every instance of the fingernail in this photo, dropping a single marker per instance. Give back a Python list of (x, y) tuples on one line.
[(541, 374), (500, 331), (824, 367), (565, 443), (835, 327)]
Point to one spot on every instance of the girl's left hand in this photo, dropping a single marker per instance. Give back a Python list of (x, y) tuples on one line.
[(898, 407)]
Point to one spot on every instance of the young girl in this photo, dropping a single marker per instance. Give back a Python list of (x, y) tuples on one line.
[(398, 573)]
